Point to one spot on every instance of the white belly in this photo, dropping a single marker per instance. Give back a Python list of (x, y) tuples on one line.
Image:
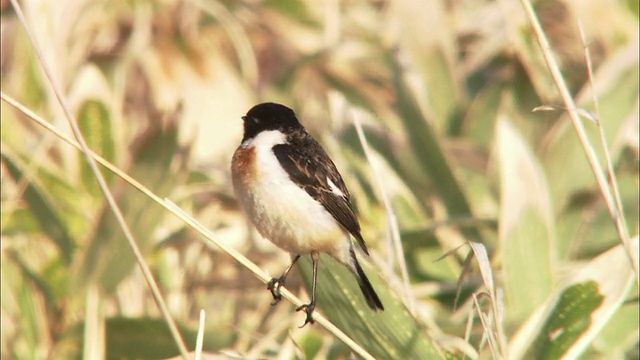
[(280, 210)]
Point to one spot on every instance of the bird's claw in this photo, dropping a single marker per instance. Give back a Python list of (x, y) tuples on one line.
[(274, 286), (308, 309)]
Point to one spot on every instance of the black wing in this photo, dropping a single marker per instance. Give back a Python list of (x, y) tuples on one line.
[(309, 166)]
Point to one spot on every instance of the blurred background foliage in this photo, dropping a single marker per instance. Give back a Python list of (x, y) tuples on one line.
[(445, 91)]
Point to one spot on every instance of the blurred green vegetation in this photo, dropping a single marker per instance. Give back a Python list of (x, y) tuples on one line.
[(445, 91)]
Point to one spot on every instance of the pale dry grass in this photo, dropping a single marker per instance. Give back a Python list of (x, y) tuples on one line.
[(431, 80)]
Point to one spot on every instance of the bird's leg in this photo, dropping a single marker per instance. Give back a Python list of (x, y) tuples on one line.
[(275, 283), (308, 308)]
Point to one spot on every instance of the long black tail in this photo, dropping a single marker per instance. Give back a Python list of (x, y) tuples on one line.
[(365, 286)]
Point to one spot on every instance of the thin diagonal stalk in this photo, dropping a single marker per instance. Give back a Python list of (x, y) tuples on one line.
[(244, 261), (603, 138), (392, 220), (601, 179), (157, 295)]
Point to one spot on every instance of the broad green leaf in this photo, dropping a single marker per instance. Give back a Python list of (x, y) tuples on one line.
[(568, 320), (566, 324), (526, 227), (42, 207), (423, 260), (149, 338), (407, 209), (311, 343), (431, 55), (18, 221), (62, 193), (633, 7), (94, 122), (109, 258), (615, 278), (431, 161), (622, 332), (31, 323), (51, 282), (390, 334), (586, 225), (294, 9), (482, 114), (32, 90)]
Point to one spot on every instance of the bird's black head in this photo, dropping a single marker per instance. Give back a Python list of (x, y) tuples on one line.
[(269, 116)]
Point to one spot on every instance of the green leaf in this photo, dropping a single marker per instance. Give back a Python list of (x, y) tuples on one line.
[(61, 193), (480, 119), (526, 226), (311, 343), (94, 122), (18, 221), (390, 334), (431, 57), (584, 225), (294, 9), (427, 151), (108, 257), (568, 320), (30, 321), (564, 159), (51, 283), (42, 206), (148, 338), (621, 332)]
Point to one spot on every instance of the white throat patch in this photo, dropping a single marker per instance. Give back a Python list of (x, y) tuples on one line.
[(266, 140)]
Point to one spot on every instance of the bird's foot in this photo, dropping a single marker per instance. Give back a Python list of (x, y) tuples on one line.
[(274, 286), (308, 309)]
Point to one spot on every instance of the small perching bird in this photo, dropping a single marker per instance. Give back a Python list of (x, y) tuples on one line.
[(294, 195)]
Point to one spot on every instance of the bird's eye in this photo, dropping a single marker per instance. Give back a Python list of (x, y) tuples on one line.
[(251, 119)]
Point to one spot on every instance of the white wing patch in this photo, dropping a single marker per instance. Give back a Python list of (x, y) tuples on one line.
[(334, 189)]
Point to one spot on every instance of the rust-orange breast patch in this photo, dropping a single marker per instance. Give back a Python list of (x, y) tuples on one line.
[(244, 165)]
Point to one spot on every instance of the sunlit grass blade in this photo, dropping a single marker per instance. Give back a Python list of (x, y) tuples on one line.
[(566, 325), (527, 233), (390, 334)]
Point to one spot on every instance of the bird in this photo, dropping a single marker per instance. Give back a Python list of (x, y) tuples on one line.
[(292, 192)]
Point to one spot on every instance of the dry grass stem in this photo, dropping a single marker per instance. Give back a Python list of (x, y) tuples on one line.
[(146, 271), (589, 151), (174, 209)]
